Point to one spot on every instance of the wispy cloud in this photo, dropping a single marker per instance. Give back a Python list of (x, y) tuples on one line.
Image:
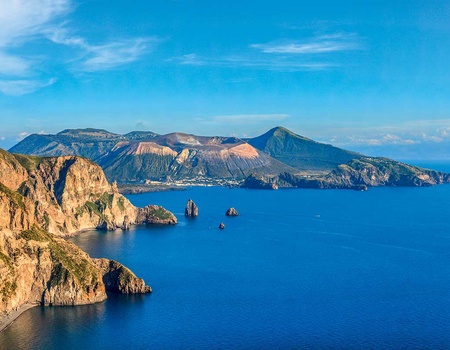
[(317, 45), (104, 56), (284, 55), (22, 87), (22, 21), (191, 59), (297, 48), (25, 21), (13, 66), (250, 61)]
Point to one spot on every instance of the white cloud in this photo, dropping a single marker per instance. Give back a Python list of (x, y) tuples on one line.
[(407, 133), (22, 19), (25, 21), (13, 66), (22, 135), (284, 55), (114, 54), (250, 61), (22, 87), (191, 59), (320, 44), (104, 56)]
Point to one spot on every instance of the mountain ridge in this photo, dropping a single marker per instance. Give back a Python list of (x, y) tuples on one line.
[(142, 156)]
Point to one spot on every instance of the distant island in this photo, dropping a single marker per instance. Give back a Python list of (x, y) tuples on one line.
[(277, 159)]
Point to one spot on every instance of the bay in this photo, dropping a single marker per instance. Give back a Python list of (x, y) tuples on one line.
[(297, 269)]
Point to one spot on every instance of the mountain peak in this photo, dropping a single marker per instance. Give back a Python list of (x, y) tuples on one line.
[(300, 152)]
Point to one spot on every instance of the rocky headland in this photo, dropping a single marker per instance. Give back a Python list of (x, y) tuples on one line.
[(43, 200), (358, 174)]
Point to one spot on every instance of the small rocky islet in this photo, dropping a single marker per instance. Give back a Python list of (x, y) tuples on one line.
[(231, 212), (191, 210)]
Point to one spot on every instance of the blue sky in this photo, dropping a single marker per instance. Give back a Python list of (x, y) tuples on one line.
[(359, 74)]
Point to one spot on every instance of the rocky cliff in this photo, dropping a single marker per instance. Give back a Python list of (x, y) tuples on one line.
[(64, 195), (44, 198), (38, 268), (358, 174)]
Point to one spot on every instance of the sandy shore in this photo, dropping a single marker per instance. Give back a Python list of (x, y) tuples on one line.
[(5, 321)]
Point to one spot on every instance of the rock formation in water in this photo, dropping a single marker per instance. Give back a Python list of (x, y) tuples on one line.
[(117, 278), (154, 214), (232, 212), (221, 225), (191, 210), (42, 199)]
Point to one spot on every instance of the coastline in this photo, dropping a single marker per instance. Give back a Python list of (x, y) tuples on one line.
[(7, 320)]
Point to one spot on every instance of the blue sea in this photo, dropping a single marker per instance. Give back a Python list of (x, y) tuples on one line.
[(298, 269)]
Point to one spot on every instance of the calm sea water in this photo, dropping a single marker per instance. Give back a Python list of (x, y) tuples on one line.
[(299, 269)]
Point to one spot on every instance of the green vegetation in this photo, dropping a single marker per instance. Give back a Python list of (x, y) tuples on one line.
[(35, 234), (96, 209), (15, 197), (67, 262), (80, 211), (121, 203), (301, 152), (162, 213), (106, 199), (46, 221), (29, 162), (59, 275), (6, 259), (8, 290)]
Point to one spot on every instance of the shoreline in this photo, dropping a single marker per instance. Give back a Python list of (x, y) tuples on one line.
[(7, 320)]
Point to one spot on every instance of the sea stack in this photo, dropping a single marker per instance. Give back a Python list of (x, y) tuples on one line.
[(222, 226), (232, 212), (191, 210)]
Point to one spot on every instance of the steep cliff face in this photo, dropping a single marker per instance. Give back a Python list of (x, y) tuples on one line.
[(43, 198), (37, 268), (63, 195)]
